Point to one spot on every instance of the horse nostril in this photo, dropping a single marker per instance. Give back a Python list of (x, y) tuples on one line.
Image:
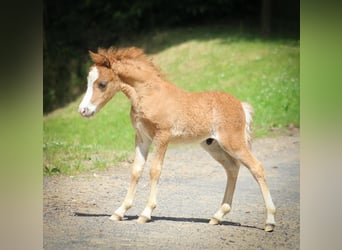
[(83, 111)]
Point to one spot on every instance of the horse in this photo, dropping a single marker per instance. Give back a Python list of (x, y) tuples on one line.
[(161, 113)]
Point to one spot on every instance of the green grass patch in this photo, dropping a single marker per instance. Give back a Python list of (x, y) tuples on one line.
[(263, 72)]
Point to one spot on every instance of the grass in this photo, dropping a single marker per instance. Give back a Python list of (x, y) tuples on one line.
[(262, 72)]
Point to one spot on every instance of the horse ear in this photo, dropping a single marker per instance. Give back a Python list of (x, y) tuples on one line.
[(99, 59)]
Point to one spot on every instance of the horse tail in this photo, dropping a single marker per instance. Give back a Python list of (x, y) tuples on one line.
[(248, 110)]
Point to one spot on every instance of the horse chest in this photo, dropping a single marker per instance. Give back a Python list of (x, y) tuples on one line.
[(144, 128)]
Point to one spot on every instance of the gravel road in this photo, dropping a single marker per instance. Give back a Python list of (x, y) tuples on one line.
[(77, 208)]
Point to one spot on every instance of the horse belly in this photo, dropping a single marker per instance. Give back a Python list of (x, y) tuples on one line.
[(189, 134)]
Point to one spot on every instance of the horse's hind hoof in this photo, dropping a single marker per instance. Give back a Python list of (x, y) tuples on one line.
[(269, 227), (115, 217)]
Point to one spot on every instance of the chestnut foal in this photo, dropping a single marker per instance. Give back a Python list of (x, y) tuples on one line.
[(161, 114)]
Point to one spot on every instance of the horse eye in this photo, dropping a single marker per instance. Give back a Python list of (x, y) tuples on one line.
[(102, 85)]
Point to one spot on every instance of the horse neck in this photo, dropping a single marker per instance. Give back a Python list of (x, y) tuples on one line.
[(136, 73), (138, 78), (131, 94), (141, 81)]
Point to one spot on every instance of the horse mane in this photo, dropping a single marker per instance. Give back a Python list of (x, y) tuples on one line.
[(114, 55)]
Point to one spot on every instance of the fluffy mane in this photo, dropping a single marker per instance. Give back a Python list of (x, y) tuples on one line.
[(113, 55)]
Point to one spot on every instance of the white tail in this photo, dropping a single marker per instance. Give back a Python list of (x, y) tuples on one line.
[(248, 110)]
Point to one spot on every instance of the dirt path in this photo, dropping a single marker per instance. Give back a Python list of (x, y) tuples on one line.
[(190, 191)]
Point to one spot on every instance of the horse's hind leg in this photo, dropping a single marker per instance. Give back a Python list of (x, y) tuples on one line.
[(238, 148), (141, 152), (232, 167)]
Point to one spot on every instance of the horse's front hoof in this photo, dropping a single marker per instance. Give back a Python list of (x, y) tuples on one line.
[(214, 221), (115, 217), (142, 219), (269, 227)]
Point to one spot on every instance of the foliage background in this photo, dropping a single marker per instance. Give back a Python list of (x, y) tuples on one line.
[(71, 28), (247, 48)]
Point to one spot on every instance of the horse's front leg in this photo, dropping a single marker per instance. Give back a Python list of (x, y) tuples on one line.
[(161, 142), (141, 152)]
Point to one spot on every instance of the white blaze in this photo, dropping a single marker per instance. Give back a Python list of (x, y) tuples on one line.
[(86, 104)]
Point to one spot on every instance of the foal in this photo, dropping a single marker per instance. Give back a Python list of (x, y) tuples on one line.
[(161, 114)]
